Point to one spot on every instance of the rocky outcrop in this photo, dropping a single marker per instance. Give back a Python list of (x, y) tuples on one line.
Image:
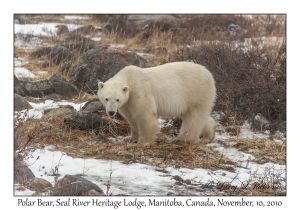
[(55, 85)]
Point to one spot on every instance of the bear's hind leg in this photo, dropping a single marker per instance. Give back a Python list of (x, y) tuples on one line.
[(208, 131), (190, 128)]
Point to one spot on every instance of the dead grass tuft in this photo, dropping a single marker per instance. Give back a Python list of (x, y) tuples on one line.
[(264, 150)]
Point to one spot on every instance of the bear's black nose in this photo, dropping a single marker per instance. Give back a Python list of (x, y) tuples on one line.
[(111, 113)]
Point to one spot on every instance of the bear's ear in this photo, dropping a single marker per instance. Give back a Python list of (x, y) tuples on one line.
[(100, 85), (125, 89)]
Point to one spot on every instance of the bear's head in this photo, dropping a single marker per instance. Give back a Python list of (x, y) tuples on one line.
[(112, 96)]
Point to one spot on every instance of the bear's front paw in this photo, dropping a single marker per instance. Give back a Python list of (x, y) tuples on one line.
[(129, 139), (205, 141)]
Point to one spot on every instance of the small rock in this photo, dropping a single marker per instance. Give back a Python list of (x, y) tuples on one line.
[(56, 114), (93, 105), (61, 29), (20, 103), (85, 121), (39, 185), (178, 178), (54, 97), (101, 138), (18, 87), (22, 173), (38, 88), (62, 87), (166, 152), (126, 154), (187, 181), (178, 142), (72, 185)]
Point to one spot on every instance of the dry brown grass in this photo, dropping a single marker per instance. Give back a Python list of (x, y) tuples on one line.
[(83, 144), (264, 150)]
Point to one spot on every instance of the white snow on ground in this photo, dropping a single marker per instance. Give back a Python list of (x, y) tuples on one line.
[(38, 108), (74, 17), (21, 72), (140, 179), (96, 39), (41, 29)]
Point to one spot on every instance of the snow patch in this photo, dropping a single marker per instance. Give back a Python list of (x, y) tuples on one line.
[(21, 72)]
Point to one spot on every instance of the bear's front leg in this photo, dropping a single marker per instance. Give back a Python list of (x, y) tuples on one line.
[(134, 134), (148, 127), (133, 138)]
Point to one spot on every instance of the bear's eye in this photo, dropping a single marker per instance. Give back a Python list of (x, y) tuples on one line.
[(106, 99), (118, 100)]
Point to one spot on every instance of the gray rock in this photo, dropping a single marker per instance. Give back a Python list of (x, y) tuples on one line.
[(84, 30), (178, 142), (101, 64), (56, 114), (127, 155), (57, 54), (18, 87), (85, 121), (62, 87), (64, 67), (22, 173), (101, 139), (80, 47), (107, 28), (61, 54), (92, 105), (75, 186), (39, 185), (20, 103), (38, 88), (61, 29), (54, 96)]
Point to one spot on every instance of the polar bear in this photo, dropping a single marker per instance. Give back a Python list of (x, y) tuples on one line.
[(181, 89)]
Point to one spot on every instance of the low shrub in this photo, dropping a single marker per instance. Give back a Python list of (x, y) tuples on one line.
[(248, 81)]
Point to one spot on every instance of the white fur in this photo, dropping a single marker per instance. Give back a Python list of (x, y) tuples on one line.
[(180, 89)]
